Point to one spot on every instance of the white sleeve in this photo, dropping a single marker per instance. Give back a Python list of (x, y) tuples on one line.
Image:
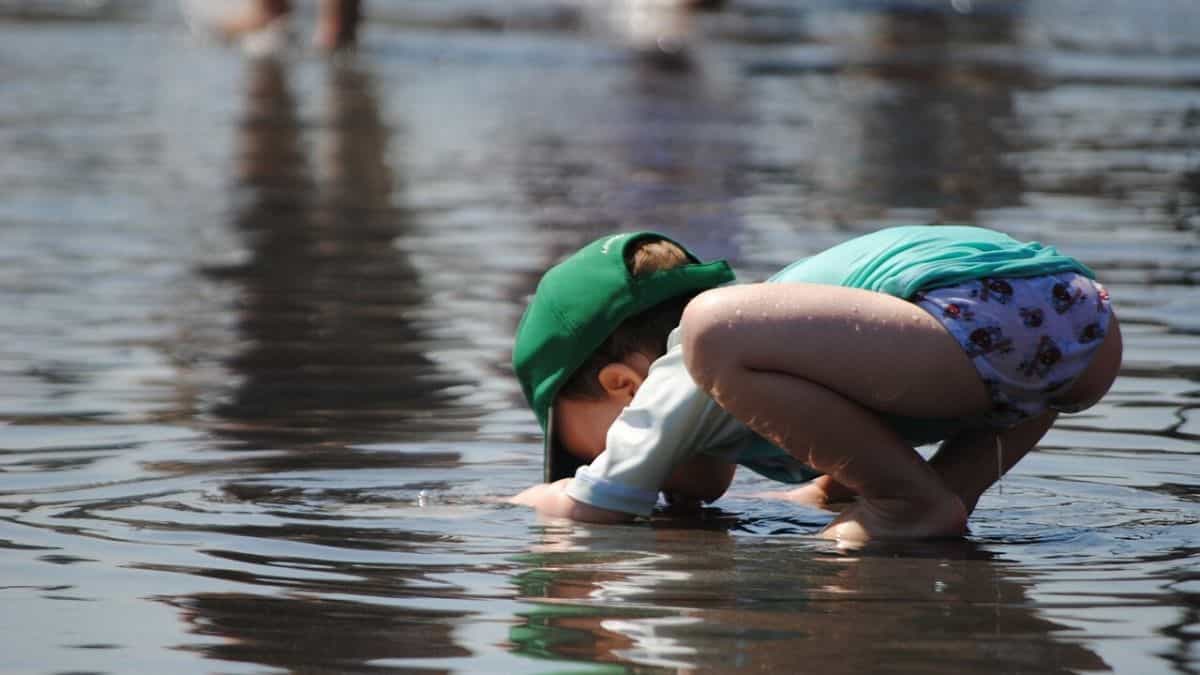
[(668, 421)]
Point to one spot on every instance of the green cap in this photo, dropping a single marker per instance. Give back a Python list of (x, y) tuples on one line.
[(578, 304)]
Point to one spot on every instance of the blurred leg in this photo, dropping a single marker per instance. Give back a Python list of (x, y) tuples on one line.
[(338, 23)]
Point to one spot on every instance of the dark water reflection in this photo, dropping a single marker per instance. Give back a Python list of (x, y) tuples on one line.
[(326, 306), (739, 605), (258, 409)]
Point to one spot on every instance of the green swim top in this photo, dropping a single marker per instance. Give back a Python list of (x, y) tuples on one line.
[(900, 261)]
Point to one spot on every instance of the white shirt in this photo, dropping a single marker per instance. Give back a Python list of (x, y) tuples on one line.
[(670, 420)]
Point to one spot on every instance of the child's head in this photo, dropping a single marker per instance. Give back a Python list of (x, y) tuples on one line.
[(597, 321)]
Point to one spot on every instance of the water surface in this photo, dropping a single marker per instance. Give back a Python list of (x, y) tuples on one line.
[(255, 389)]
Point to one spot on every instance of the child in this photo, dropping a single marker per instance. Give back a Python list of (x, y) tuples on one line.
[(646, 369)]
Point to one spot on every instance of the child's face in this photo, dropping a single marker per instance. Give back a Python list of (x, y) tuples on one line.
[(582, 423)]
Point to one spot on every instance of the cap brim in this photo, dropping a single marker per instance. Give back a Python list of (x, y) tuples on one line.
[(558, 463)]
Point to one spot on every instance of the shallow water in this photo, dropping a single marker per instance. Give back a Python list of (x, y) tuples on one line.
[(254, 380)]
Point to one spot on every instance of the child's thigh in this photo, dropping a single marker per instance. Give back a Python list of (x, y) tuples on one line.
[(878, 350)]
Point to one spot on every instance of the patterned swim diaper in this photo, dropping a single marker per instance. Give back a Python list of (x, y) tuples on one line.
[(1028, 337)]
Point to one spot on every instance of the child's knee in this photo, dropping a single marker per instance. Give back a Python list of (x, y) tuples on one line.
[(709, 327)]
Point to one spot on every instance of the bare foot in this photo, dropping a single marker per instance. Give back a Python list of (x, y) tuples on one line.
[(822, 492), (805, 495), (899, 519)]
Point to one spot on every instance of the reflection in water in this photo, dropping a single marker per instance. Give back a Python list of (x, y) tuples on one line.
[(680, 177), (327, 302), (315, 636), (674, 165), (929, 120), (956, 115), (684, 598), (332, 356), (917, 124)]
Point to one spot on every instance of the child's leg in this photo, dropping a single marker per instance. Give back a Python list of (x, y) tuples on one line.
[(809, 367), (973, 460), (970, 462)]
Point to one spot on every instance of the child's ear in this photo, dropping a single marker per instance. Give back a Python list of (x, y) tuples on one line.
[(621, 380)]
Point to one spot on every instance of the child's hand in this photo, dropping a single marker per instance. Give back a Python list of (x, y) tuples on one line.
[(551, 499), (540, 493)]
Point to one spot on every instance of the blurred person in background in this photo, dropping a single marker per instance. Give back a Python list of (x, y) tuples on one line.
[(337, 21)]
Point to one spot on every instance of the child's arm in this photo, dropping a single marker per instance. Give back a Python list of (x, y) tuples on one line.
[(551, 499), (650, 449), (702, 479), (656, 445)]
